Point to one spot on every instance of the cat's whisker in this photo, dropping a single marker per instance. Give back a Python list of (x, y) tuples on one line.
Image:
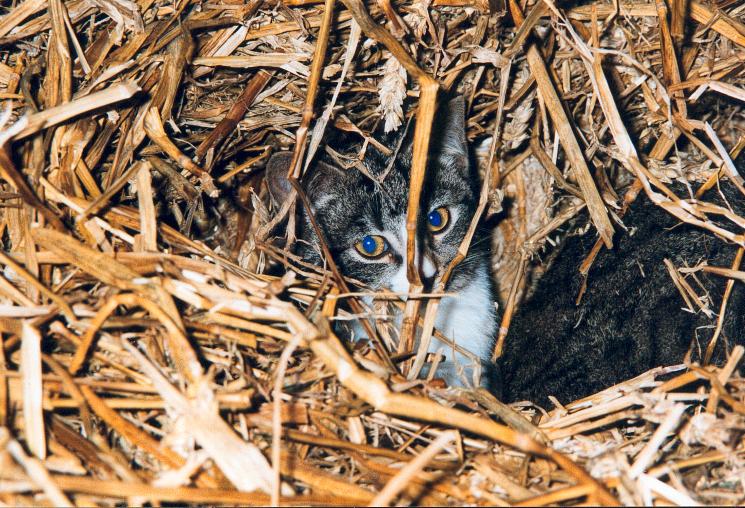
[(364, 315), (390, 295)]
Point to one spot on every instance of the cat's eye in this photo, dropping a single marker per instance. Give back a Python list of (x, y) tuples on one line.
[(372, 246), (437, 219)]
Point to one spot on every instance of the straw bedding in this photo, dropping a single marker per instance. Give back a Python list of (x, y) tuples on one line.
[(159, 347)]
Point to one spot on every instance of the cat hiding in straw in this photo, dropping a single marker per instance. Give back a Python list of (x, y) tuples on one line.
[(363, 216), (631, 317)]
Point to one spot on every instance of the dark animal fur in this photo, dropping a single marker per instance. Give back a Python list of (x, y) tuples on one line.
[(630, 318)]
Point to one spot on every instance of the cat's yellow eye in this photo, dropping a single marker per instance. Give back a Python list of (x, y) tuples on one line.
[(372, 246), (437, 219)]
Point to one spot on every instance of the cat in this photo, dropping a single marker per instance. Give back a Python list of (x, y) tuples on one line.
[(630, 318), (363, 217)]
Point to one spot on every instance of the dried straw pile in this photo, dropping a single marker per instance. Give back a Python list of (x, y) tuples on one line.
[(139, 365)]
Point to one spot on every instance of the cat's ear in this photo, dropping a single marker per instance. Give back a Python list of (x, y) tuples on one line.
[(320, 183), (452, 122), (323, 182), (276, 176), (448, 140)]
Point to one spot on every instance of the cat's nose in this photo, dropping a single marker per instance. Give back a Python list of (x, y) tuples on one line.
[(428, 267)]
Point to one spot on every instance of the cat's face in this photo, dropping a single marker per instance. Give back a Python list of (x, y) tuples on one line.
[(364, 220)]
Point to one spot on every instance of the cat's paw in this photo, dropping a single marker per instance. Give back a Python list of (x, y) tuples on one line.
[(460, 375)]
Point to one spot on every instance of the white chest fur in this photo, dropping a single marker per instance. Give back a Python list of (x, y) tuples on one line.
[(468, 318)]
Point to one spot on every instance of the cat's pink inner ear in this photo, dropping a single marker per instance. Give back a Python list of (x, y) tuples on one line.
[(276, 176)]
